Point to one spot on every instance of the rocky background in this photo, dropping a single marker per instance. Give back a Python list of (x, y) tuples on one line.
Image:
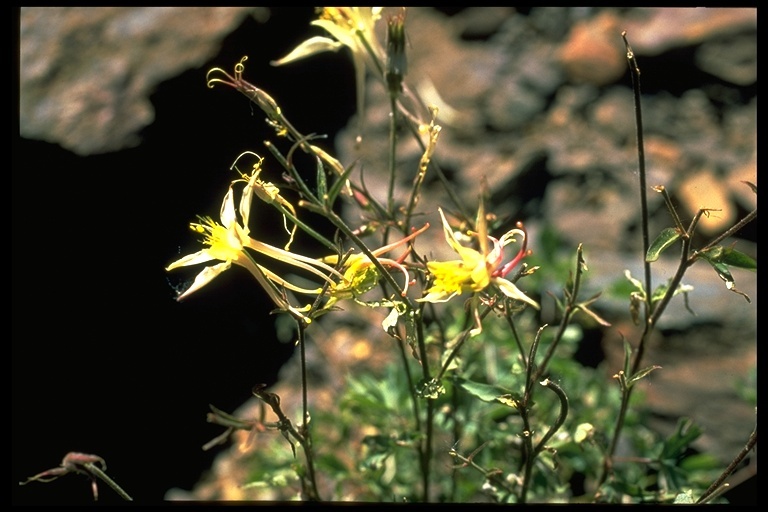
[(121, 144)]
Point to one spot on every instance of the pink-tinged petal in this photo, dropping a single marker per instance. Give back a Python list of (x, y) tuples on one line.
[(191, 259), (512, 291), (204, 277)]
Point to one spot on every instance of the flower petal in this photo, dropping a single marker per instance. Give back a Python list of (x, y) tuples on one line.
[(437, 297), (449, 236), (203, 256), (311, 46), (228, 216), (345, 36), (287, 284), (297, 260), (512, 291), (203, 278)]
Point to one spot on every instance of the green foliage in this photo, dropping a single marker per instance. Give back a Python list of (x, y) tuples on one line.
[(666, 238)]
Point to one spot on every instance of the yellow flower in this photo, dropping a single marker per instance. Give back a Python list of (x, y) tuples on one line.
[(226, 243), (361, 275), (476, 270), (352, 27)]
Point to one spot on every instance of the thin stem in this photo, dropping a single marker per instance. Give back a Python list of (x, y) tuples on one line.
[(560, 418), (95, 470), (518, 343), (392, 162), (730, 469), (288, 430), (427, 450), (648, 320), (464, 336), (635, 74), (569, 309), (305, 427), (732, 230), (529, 454)]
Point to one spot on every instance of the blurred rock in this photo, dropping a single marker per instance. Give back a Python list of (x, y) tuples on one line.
[(86, 73), (593, 54), (658, 29)]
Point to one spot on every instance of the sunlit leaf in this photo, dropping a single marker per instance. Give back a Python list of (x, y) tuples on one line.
[(641, 374), (485, 392), (725, 274), (666, 238), (738, 259)]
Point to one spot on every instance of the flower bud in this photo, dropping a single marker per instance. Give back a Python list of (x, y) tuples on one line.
[(397, 64)]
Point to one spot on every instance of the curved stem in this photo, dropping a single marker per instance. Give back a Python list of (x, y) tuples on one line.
[(95, 470), (730, 469)]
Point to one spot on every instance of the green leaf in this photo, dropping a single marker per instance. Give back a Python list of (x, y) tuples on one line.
[(666, 238), (738, 259), (340, 182), (322, 184), (729, 256), (725, 275), (676, 444), (641, 374), (627, 357), (485, 392), (700, 462)]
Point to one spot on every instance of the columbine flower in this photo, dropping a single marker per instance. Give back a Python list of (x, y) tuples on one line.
[(476, 270), (352, 27), (361, 275), (226, 242)]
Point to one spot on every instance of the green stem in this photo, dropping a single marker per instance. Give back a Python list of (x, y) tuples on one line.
[(648, 319), (730, 469), (560, 419), (95, 470), (392, 162), (305, 427), (463, 337), (569, 310)]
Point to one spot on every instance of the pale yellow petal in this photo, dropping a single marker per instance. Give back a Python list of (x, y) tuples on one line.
[(437, 297), (311, 46), (191, 259), (287, 284), (297, 260), (228, 216), (204, 277), (512, 291), (344, 35)]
